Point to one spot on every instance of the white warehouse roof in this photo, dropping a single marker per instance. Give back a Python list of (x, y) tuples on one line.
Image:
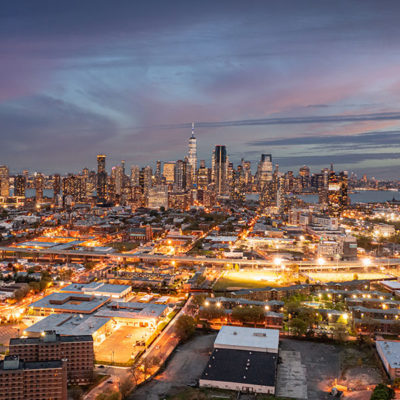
[(251, 339)]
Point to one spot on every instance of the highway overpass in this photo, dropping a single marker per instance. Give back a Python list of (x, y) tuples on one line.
[(13, 253)]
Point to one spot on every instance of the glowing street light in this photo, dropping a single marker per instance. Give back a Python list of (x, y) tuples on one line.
[(366, 262), (278, 261), (321, 261)]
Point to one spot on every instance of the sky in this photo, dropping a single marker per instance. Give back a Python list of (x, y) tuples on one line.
[(310, 82)]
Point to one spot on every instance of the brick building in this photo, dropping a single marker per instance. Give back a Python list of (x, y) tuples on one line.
[(77, 350), (37, 380)]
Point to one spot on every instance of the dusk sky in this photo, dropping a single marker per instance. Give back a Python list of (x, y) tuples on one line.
[(311, 82)]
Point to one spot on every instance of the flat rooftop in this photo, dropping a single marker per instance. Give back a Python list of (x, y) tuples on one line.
[(61, 339), (69, 302), (255, 339), (393, 285), (68, 324), (132, 310), (240, 366), (93, 287), (391, 351)]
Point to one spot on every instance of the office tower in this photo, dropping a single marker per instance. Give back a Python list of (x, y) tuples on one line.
[(19, 186), (158, 176), (180, 175), (238, 192), (158, 197), (39, 187), (56, 185), (32, 380), (322, 186), (135, 172), (192, 155), (4, 181), (304, 173), (248, 178), (169, 172), (73, 186), (264, 172), (77, 350), (101, 178), (203, 176), (118, 178), (338, 198), (220, 169)]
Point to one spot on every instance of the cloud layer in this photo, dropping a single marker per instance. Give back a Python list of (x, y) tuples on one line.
[(310, 82)]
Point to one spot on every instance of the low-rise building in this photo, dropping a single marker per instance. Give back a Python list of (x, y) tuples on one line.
[(243, 359), (389, 353)]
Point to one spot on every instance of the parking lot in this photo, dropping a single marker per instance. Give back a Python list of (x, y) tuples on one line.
[(120, 346)]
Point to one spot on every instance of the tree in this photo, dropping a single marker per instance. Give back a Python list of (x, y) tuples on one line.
[(125, 387), (340, 332), (298, 326), (382, 392), (109, 395), (185, 327), (248, 314), (75, 393), (211, 312)]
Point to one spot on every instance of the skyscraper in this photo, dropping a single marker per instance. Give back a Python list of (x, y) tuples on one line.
[(101, 178), (192, 155), (56, 185), (19, 186), (264, 171), (220, 167), (4, 181), (169, 172), (39, 186)]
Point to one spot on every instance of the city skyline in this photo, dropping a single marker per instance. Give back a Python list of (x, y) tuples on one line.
[(311, 86)]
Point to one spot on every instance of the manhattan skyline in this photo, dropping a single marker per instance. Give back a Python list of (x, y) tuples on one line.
[(310, 83)]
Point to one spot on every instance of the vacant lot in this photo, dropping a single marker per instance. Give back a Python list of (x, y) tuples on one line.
[(247, 279), (185, 367), (352, 366), (120, 346), (345, 276)]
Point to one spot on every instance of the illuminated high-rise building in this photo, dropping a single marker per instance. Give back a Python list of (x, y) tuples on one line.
[(4, 181), (19, 186), (101, 178), (264, 171), (39, 187), (220, 169), (158, 175), (203, 176), (192, 155), (135, 172), (169, 172), (56, 185)]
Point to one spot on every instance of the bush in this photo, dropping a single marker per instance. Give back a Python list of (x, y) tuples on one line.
[(185, 327)]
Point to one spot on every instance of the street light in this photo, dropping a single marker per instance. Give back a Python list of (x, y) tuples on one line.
[(321, 261), (366, 262)]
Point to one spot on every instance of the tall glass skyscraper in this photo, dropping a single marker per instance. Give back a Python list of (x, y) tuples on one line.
[(192, 155)]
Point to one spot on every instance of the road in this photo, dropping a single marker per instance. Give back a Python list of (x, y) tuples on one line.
[(160, 349), (303, 265)]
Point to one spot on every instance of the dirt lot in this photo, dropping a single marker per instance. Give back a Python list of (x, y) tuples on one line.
[(184, 368), (118, 347), (350, 365)]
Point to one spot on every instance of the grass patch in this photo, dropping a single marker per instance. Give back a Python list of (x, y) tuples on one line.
[(247, 279)]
